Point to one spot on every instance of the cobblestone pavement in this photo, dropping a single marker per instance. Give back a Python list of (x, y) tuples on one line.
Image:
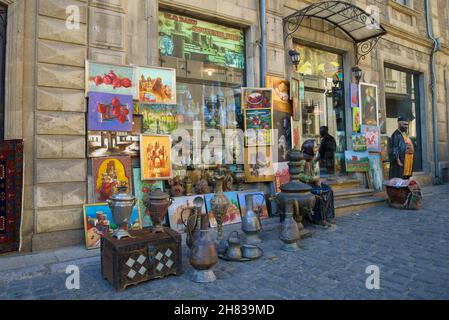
[(410, 248)]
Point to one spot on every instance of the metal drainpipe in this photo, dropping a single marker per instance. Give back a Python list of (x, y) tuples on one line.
[(263, 49), (433, 87)]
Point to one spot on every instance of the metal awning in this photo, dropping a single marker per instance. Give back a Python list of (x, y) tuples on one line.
[(356, 23)]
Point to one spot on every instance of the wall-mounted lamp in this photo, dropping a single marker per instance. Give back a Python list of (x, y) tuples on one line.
[(357, 73), (295, 56)]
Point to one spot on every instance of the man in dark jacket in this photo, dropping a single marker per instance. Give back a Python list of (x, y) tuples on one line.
[(401, 152), (328, 147)]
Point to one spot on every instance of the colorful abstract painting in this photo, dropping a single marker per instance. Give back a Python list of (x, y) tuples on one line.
[(180, 210), (108, 174), (259, 203), (257, 98), (11, 188), (232, 216), (141, 187), (157, 85), (98, 221), (372, 134), (258, 127), (155, 155), (108, 78), (110, 112), (281, 93), (357, 161)]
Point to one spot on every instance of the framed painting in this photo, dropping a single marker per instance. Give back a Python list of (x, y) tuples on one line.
[(112, 143), (281, 93), (384, 149), (110, 78), (372, 134), (232, 216), (259, 202), (157, 85), (358, 142), (357, 161), (296, 134), (282, 125), (368, 104), (155, 157), (282, 175), (356, 119), (259, 165), (108, 173), (98, 221), (257, 98), (182, 206), (159, 118), (110, 112), (376, 171), (258, 127), (141, 187), (354, 95)]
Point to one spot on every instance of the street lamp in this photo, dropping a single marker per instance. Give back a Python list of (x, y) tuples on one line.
[(357, 73), (295, 56)]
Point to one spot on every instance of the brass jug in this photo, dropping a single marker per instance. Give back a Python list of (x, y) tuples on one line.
[(193, 223), (290, 233), (251, 225), (203, 255)]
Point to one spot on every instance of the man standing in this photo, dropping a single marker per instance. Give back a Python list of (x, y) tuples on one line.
[(328, 147), (401, 152)]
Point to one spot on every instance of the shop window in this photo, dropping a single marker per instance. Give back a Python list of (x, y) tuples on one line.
[(3, 16), (402, 99)]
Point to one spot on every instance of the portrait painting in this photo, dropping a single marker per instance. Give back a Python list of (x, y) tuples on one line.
[(281, 93), (372, 134), (157, 85), (259, 203), (98, 221), (258, 127), (142, 187), (232, 215), (257, 98), (357, 161), (108, 174), (155, 157), (368, 103), (282, 125), (110, 78), (259, 164), (110, 112), (180, 210)]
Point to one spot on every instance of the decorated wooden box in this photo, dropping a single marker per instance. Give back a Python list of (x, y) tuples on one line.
[(143, 257)]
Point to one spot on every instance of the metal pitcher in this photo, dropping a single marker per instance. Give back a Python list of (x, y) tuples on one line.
[(234, 251), (251, 225), (193, 223), (290, 233)]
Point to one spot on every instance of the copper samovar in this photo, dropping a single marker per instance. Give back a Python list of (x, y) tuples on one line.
[(122, 205), (157, 203)]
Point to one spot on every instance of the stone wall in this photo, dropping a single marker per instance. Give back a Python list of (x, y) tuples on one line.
[(45, 102)]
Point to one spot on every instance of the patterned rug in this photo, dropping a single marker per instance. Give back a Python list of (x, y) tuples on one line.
[(11, 184)]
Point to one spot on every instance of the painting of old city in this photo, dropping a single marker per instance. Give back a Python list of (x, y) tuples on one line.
[(157, 85), (155, 157)]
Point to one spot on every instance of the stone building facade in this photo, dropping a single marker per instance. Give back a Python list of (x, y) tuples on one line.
[(45, 99)]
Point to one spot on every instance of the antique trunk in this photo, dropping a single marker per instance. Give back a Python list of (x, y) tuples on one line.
[(143, 257)]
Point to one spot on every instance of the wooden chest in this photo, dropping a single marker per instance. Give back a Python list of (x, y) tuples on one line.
[(143, 257)]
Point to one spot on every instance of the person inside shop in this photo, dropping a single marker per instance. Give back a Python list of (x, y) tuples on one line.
[(324, 211), (326, 154), (401, 151)]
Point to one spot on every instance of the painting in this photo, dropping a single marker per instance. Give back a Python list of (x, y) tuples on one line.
[(141, 187), (368, 103), (257, 98), (155, 157), (281, 93), (282, 175), (108, 174), (232, 216), (182, 206), (157, 85), (282, 125), (108, 78), (384, 149), (259, 203), (356, 119), (376, 171), (259, 164), (354, 95), (98, 221), (258, 127), (372, 135), (159, 118), (357, 161), (358, 142), (296, 134), (110, 112), (194, 39)]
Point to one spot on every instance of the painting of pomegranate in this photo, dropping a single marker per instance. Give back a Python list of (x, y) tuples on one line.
[(110, 112), (108, 78)]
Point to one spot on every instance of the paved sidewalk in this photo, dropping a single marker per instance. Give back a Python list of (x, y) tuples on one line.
[(410, 248)]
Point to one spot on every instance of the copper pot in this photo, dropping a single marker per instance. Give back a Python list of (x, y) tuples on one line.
[(157, 202)]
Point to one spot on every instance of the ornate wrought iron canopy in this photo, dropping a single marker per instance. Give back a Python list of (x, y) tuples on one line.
[(356, 23)]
